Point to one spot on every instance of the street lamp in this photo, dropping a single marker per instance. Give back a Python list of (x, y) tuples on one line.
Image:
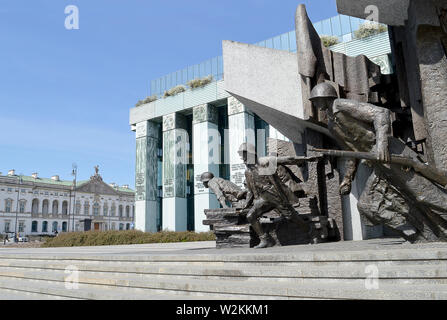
[(19, 178), (74, 173)]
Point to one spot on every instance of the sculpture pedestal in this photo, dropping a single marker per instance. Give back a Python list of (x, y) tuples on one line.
[(232, 229)]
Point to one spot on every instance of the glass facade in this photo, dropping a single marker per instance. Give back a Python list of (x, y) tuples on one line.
[(340, 26)]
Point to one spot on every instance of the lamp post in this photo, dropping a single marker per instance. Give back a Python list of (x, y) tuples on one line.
[(19, 178), (74, 173)]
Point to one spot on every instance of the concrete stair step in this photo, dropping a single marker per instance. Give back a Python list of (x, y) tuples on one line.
[(8, 294), (136, 287), (417, 274), (40, 289), (260, 257)]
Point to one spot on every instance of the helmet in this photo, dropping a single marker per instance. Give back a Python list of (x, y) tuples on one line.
[(206, 176), (247, 147), (323, 90)]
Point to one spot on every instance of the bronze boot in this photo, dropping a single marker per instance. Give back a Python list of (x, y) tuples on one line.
[(265, 242)]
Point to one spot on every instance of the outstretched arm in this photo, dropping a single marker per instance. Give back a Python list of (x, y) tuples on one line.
[(366, 112)]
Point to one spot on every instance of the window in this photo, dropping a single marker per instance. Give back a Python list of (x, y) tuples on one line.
[(35, 206), (86, 208), (121, 226), (54, 226), (45, 206), (55, 207), (7, 226), (113, 226), (113, 212), (64, 226), (22, 226), (121, 211), (96, 209), (65, 208), (105, 210), (9, 189), (127, 211), (22, 204), (127, 226), (78, 207), (34, 226), (45, 226), (8, 205)]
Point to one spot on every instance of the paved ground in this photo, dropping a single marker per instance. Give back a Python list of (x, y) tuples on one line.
[(208, 248)]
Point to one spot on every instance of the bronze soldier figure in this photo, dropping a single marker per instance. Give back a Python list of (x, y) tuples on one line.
[(268, 192), (223, 189)]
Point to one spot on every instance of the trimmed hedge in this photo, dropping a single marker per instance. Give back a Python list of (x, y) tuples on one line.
[(106, 238)]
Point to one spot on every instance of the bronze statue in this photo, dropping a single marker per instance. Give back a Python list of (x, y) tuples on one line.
[(268, 192), (391, 190), (223, 189)]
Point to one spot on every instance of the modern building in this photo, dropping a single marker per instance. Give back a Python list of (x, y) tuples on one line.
[(179, 137), (31, 205)]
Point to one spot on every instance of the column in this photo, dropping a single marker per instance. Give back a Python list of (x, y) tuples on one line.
[(206, 157), (241, 128), (146, 171), (175, 152)]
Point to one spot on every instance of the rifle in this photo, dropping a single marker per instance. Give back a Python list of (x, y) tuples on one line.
[(429, 172)]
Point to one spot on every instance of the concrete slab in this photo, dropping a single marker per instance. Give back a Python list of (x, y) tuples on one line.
[(189, 250)]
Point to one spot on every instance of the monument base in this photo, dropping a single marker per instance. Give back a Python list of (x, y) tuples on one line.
[(232, 229)]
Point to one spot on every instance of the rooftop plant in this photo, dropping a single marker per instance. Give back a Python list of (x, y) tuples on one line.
[(369, 29), (174, 91), (198, 83), (147, 100), (329, 41)]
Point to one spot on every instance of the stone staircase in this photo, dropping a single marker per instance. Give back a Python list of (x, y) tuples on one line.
[(327, 271)]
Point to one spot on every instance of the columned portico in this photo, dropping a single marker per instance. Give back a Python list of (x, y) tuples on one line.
[(241, 127), (147, 139), (175, 160), (206, 157)]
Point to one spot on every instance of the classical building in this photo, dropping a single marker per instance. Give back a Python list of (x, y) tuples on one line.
[(40, 206), (180, 135)]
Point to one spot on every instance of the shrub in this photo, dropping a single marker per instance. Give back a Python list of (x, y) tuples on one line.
[(198, 83), (106, 238), (329, 40), (369, 29), (147, 100), (174, 91)]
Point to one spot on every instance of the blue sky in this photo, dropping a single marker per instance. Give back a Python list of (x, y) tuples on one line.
[(65, 95)]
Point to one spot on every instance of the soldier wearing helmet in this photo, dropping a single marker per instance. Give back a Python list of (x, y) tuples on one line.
[(223, 189), (364, 127), (356, 126)]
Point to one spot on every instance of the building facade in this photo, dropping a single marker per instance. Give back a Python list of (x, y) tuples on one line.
[(179, 137), (31, 205)]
